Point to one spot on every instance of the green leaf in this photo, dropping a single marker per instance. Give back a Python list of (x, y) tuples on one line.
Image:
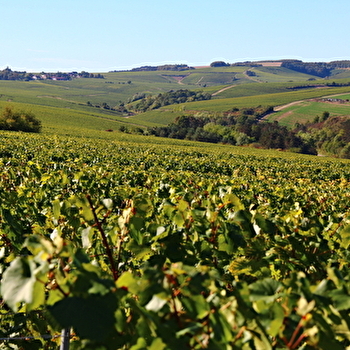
[(140, 251), (92, 318), (345, 236), (155, 304), (143, 206), (197, 306), (182, 205), (136, 224), (234, 200), (267, 290), (87, 213), (222, 331), (178, 219), (37, 244), (243, 219), (276, 320), (56, 209), (140, 345), (341, 298), (157, 344), (128, 281), (98, 288), (18, 283), (38, 296), (265, 225), (168, 208)]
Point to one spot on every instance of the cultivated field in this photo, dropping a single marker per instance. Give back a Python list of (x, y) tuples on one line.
[(128, 241)]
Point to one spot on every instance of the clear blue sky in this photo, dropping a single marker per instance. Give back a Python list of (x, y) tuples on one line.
[(104, 35)]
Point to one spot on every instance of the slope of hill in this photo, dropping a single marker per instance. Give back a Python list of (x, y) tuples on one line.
[(108, 103), (160, 243)]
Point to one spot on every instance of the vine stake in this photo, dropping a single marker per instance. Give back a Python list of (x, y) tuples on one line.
[(65, 335)]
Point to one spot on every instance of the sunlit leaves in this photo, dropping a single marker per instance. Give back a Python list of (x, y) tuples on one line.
[(20, 284), (204, 249)]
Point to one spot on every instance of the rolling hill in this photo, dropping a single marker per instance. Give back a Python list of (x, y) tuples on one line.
[(83, 106)]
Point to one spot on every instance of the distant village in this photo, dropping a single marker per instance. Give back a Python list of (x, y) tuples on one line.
[(9, 74)]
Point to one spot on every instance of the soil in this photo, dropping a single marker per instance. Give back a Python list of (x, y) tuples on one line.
[(226, 88)]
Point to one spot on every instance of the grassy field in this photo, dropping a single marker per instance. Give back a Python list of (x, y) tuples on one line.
[(279, 74), (62, 105), (306, 111), (225, 104)]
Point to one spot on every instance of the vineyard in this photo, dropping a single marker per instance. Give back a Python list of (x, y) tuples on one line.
[(130, 245)]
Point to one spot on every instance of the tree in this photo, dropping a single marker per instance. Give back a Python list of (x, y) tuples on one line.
[(13, 120), (325, 116), (219, 64)]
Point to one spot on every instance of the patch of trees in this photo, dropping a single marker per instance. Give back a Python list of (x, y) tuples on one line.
[(247, 63), (172, 97), (312, 68), (120, 108), (13, 120), (339, 64), (149, 102), (9, 74), (329, 134), (137, 96), (250, 73), (236, 127), (312, 86), (219, 64), (319, 69), (172, 67), (84, 74)]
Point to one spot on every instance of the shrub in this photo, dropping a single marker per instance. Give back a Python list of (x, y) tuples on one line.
[(19, 121)]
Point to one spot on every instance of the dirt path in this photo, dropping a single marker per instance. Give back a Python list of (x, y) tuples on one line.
[(256, 80), (199, 80), (178, 78), (280, 108), (224, 89)]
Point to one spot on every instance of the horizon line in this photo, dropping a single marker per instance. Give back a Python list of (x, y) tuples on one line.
[(155, 64)]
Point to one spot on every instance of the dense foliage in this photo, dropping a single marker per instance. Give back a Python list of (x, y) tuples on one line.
[(219, 64), (330, 134), (173, 67), (172, 97), (236, 127), (9, 74), (320, 69), (13, 120), (156, 247)]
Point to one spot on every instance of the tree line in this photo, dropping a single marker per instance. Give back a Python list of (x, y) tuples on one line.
[(238, 127), (325, 134), (319, 69), (329, 134), (147, 103), (172, 67), (16, 120), (9, 74)]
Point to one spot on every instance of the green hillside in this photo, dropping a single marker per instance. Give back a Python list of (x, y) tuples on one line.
[(114, 238), (105, 103), (307, 110)]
